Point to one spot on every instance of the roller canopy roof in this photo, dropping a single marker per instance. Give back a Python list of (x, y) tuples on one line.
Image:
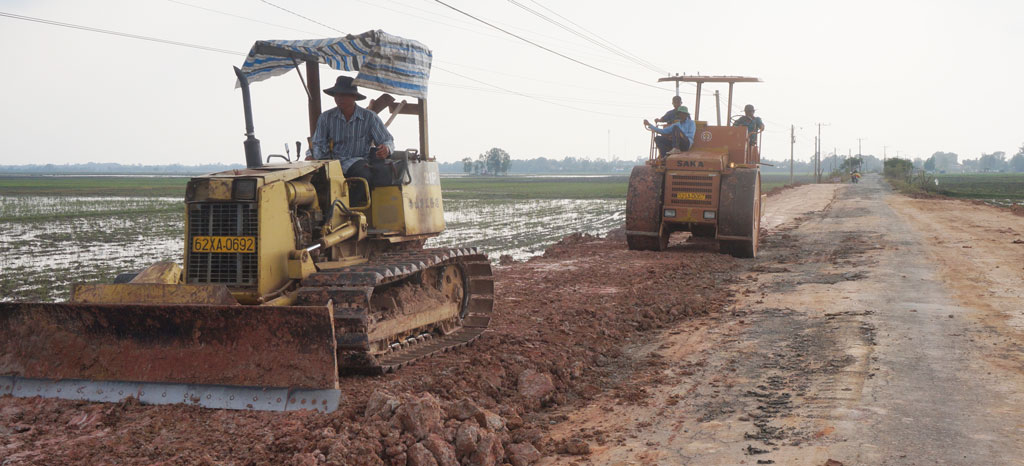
[(711, 79), (385, 62)]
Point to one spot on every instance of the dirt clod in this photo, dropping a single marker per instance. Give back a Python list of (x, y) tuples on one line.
[(523, 454), (574, 446), (535, 386), (418, 455), (420, 416)]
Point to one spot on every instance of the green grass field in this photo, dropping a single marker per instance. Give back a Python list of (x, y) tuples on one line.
[(770, 181), (535, 187), (982, 186), (93, 186), (511, 187)]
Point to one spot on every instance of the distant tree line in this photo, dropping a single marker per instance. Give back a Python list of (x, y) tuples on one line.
[(498, 162), (493, 162), (829, 164), (939, 162), (900, 169), (948, 162)]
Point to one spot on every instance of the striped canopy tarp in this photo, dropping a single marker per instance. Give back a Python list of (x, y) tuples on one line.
[(385, 62)]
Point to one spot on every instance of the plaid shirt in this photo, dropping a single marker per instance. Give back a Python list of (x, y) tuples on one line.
[(351, 139)]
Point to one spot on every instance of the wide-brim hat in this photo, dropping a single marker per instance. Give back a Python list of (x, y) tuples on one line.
[(344, 86)]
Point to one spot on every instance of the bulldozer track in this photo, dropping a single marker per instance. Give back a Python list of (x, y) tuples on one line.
[(362, 347)]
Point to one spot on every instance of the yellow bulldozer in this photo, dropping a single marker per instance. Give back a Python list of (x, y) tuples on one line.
[(712, 190), (286, 283)]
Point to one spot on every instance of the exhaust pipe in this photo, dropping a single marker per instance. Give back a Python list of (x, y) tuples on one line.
[(253, 156)]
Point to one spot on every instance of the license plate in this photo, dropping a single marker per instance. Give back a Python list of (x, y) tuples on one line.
[(224, 244), (692, 196)]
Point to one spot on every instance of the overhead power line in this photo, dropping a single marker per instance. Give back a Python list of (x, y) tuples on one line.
[(528, 96), (528, 41), (480, 81), (120, 34), (458, 22), (238, 16), (498, 89), (626, 105), (598, 36), (534, 79), (625, 55)]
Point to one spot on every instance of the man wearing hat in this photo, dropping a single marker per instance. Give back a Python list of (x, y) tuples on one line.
[(346, 132), (754, 124), (677, 135)]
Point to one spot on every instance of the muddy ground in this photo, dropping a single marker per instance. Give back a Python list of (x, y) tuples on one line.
[(874, 329), (563, 327), (870, 331)]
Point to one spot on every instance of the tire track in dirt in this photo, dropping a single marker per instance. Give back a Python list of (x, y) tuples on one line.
[(844, 342)]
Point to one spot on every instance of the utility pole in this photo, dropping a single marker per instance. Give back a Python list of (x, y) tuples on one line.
[(818, 152), (860, 155), (817, 160), (792, 140)]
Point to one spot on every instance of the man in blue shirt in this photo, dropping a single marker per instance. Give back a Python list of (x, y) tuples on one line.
[(678, 135), (346, 132), (754, 124)]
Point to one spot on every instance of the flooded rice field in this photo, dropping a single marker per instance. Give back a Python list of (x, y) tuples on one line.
[(1004, 202), (49, 242), (524, 228)]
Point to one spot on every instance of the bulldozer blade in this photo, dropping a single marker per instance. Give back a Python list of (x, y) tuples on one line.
[(231, 351), (152, 293), (206, 396)]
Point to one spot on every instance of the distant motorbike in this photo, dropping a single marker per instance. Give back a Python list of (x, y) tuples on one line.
[(855, 178)]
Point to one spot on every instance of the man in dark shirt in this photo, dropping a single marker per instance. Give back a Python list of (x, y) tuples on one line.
[(754, 124), (671, 115)]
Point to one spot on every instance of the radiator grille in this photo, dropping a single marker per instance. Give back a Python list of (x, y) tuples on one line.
[(701, 184), (223, 219)]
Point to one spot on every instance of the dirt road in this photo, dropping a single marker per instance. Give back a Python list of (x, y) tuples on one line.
[(874, 329)]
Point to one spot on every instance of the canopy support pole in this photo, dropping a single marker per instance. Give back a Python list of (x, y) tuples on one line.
[(729, 119), (301, 79), (313, 91), (424, 140), (696, 114)]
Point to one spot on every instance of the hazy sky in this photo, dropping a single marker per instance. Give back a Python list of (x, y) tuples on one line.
[(916, 76)]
